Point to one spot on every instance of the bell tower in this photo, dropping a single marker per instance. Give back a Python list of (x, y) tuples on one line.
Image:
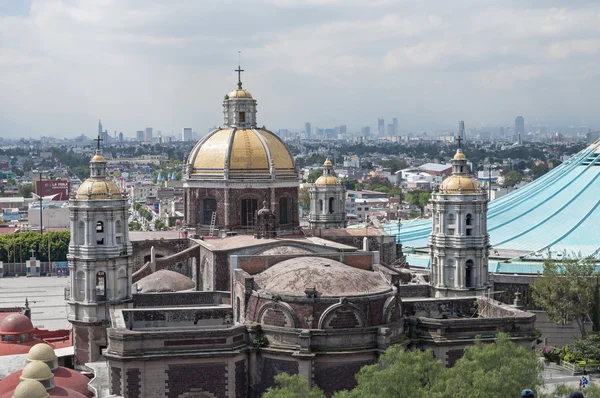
[(239, 108), (459, 241), (99, 259), (327, 200)]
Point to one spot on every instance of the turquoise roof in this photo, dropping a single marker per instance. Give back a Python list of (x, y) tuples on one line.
[(556, 213)]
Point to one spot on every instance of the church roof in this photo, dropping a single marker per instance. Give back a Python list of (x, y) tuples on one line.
[(164, 281), (241, 154), (98, 188), (16, 324), (330, 278), (556, 213)]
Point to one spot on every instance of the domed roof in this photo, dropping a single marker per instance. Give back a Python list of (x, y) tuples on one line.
[(36, 370), (239, 154), (327, 162), (459, 156), (16, 324), (41, 352), (326, 180), (329, 277), (459, 184), (239, 93), (30, 389), (98, 188), (164, 281), (98, 158)]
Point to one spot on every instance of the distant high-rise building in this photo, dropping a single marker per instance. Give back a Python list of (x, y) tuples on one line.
[(519, 125), (365, 131), (121, 136), (461, 130), (307, 130), (100, 127), (380, 127), (186, 134), (395, 123), (105, 136), (390, 129), (342, 129), (501, 134), (139, 135), (148, 134)]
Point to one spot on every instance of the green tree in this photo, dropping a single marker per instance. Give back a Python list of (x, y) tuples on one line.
[(135, 226), (538, 170), (499, 369), (418, 198), (313, 175), (296, 386), (25, 190), (512, 178), (304, 198), (11, 181), (400, 373), (82, 172), (565, 290), (396, 192)]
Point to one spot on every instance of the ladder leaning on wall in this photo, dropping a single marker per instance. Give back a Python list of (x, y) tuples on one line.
[(213, 220)]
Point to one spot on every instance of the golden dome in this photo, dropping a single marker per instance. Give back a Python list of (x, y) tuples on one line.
[(326, 180), (98, 158), (459, 184), (30, 389), (327, 162), (459, 156), (36, 370), (98, 188), (41, 352), (239, 93), (241, 154)]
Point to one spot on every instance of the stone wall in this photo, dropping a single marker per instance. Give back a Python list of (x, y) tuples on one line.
[(337, 373), (178, 299), (268, 368), (197, 378)]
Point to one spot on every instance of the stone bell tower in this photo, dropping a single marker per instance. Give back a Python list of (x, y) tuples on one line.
[(99, 259), (327, 200), (459, 241)]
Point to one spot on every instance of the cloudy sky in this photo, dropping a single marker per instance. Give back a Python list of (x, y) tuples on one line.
[(167, 64)]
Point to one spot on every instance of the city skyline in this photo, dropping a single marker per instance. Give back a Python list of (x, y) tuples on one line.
[(64, 65)]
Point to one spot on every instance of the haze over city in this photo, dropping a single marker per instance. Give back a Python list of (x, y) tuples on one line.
[(65, 64)]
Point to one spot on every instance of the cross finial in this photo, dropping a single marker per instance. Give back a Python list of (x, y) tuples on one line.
[(239, 70), (98, 139), (459, 139)]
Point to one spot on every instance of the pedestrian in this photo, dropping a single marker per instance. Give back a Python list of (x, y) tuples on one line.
[(527, 393), (583, 382)]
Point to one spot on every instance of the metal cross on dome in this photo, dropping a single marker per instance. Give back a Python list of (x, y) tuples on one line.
[(459, 139), (239, 71), (98, 139)]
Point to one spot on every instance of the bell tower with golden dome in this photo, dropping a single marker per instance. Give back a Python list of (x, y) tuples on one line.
[(237, 167), (459, 241), (327, 201), (99, 259)]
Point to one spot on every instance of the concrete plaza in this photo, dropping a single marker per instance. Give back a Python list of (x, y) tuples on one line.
[(46, 299)]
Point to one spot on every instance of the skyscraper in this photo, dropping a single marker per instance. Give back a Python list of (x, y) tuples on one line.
[(148, 134), (380, 127), (395, 123), (186, 134), (461, 130), (365, 131), (139, 135), (99, 127), (519, 125), (307, 130)]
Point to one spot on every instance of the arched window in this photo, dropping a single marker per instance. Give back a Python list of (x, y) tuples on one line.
[(331, 205), (469, 219), (451, 219), (469, 274), (208, 207), (284, 211), (79, 286), (101, 286), (99, 230), (122, 284), (81, 233), (249, 208)]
